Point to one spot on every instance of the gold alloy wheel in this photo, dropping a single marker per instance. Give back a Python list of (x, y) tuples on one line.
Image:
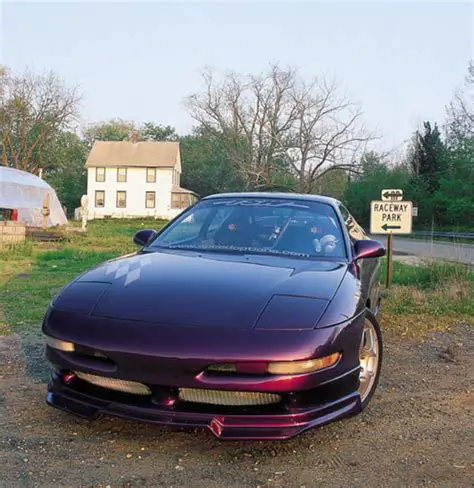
[(369, 359)]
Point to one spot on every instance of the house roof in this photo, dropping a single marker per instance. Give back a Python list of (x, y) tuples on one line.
[(179, 189), (163, 154)]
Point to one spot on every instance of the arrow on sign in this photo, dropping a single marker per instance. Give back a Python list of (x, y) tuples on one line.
[(386, 227), (389, 194)]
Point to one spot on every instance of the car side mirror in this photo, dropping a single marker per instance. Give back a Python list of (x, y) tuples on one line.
[(143, 237), (368, 249)]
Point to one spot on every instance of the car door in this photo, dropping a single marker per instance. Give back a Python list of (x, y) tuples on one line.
[(369, 268)]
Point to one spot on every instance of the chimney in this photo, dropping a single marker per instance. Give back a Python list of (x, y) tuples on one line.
[(135, 137)]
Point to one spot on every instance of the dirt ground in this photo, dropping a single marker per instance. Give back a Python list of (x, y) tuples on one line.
[(418, 431)]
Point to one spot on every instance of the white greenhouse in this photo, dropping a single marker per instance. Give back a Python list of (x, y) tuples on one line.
[(24, 193)]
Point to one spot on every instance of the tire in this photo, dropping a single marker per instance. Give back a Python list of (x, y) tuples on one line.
[(367, 388)]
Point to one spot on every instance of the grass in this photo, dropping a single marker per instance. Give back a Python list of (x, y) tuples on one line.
[(422, 298), (33, 272), (432, 296), (431, 275), (26, 295), (113, 236)]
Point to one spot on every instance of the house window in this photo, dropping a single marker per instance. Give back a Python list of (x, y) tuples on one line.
[(151, 175), (100, 175), (121, 199), (100, 198), (150, 199), (180, 200), (175, 178), (122, 175)]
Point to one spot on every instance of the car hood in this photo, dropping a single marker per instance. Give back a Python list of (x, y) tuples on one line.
[(208, 290)]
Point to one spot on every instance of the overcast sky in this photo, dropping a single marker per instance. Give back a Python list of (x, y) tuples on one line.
[(401, 60)]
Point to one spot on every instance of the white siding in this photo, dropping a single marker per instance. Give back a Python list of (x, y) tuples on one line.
[(136, 187)]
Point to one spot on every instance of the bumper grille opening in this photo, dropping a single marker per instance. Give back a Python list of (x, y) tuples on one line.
[(115, 384), (227, 398)]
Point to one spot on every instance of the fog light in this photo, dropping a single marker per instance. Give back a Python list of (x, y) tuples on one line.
[(59, 345), (300, 367)]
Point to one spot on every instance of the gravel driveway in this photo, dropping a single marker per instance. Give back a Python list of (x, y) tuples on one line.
[(418, 431)]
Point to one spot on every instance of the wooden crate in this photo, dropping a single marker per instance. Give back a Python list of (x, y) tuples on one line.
[(12, 232)]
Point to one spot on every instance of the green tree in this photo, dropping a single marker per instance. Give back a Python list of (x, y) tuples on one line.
[(66, 173), (156, 132), (428, 161), (427, 156), (367, 186), (111, 130), (454, 199), (333, 184), (207, 167)]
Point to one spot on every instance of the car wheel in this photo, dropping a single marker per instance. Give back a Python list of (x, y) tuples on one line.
[(370, 356)]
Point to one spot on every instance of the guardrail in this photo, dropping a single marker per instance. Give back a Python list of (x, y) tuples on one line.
[(450, 235), (433, 234)]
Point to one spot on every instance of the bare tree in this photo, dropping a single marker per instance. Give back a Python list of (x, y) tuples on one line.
[(275, 123), (33, 109), (460, 123)]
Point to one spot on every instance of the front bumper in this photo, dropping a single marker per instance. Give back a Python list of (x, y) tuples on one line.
[(298, 413), (167, 358)]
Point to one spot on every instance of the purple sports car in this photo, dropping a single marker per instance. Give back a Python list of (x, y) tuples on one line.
[(251, 314)]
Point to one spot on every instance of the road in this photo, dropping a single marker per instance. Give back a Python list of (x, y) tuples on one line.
[(457, 252), (417, 431)]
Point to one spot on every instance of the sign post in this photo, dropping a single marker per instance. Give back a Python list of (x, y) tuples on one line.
[(390, 216), (388, 280)]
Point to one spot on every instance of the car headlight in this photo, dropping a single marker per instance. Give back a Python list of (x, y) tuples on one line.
[(278, 367), (59, 344), (300, 367)]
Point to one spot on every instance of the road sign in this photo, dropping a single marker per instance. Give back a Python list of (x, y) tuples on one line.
[(415, 212), (390, 217), (392, 195)]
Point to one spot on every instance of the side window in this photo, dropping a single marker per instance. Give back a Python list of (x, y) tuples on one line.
[(356, 232), (345, 213)]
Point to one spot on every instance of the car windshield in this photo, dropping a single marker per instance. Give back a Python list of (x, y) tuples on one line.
[(283, 227)]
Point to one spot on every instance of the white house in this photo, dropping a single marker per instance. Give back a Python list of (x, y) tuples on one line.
[(135, 179)]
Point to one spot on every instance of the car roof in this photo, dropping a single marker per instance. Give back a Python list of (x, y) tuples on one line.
[(276, 195)]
